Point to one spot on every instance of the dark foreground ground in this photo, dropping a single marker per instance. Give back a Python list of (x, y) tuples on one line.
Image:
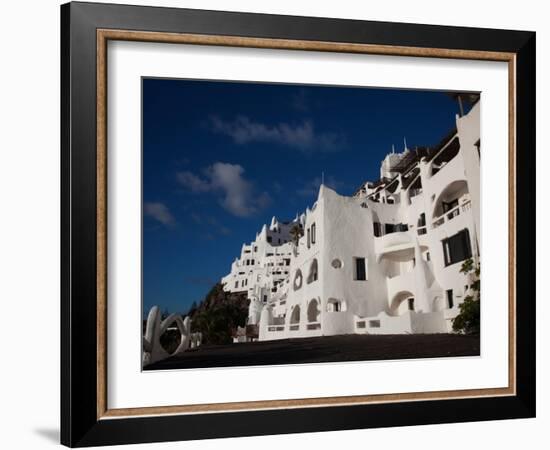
[(324, 349)]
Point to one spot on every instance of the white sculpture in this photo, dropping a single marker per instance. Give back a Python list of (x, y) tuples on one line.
[(155, 328)]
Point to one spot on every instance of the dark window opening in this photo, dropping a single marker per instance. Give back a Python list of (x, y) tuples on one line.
[(377, 229), (457, 248), (411, 303), (450, 301), (360, 269), (422, 220), (313, 233), (447, 206)]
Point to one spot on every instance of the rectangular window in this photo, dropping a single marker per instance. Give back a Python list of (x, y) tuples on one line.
[(390, 228), (265, 298), (377, 229), (422, 220), (450, 301), (308, 238), (374, 323), (457, 248), (236, 284), (269, 239), (411, 303), (360, 269), (313, 233)]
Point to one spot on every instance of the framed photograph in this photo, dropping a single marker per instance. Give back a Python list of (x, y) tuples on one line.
[(277, 224)]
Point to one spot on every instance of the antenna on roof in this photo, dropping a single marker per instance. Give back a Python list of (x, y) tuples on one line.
[(405, 143), (322, 177), (392, 149)]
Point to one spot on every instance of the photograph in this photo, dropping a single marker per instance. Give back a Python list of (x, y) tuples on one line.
[(299, 224), (272, 222)]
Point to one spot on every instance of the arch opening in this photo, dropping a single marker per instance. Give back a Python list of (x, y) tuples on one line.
[(401, 303), (313, 311)]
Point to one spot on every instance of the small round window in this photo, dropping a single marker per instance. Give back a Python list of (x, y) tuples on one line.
[(336, 263)]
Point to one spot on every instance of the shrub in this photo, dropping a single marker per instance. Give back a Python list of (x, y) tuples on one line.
[(468, 320)]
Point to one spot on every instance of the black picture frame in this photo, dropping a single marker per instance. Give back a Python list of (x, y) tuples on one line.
[(80, 424)]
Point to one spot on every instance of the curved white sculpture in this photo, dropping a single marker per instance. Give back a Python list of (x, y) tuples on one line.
[(155, 328)]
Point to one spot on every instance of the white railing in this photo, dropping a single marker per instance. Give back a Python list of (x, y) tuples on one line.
[(451, 214)]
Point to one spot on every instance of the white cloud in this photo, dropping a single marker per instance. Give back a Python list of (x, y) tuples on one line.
[(239, 195), (302, 136), (159, 212), (193, 182)]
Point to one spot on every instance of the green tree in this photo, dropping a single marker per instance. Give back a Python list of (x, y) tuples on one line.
[(218, 315), (468, 320), (296, 232)]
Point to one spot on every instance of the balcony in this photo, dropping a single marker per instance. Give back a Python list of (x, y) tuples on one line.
[(464, 206), (393, 242)]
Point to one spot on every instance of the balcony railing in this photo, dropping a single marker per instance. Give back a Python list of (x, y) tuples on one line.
[(421, 230), (451, 214), (314, 326)]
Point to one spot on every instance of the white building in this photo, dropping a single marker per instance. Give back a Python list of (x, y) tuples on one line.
[(386, 260)]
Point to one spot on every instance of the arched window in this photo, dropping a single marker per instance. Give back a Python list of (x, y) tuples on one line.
[(313, 312), (335, 305), (295, 315), (298, 278), (313, 272)]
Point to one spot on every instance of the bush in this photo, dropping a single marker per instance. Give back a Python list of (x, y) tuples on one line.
[(468, 320), (218, 315)]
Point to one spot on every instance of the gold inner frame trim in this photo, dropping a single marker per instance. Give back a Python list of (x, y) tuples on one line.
[(103, 36)]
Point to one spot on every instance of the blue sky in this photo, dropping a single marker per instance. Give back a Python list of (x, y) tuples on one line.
[(221, 158)]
